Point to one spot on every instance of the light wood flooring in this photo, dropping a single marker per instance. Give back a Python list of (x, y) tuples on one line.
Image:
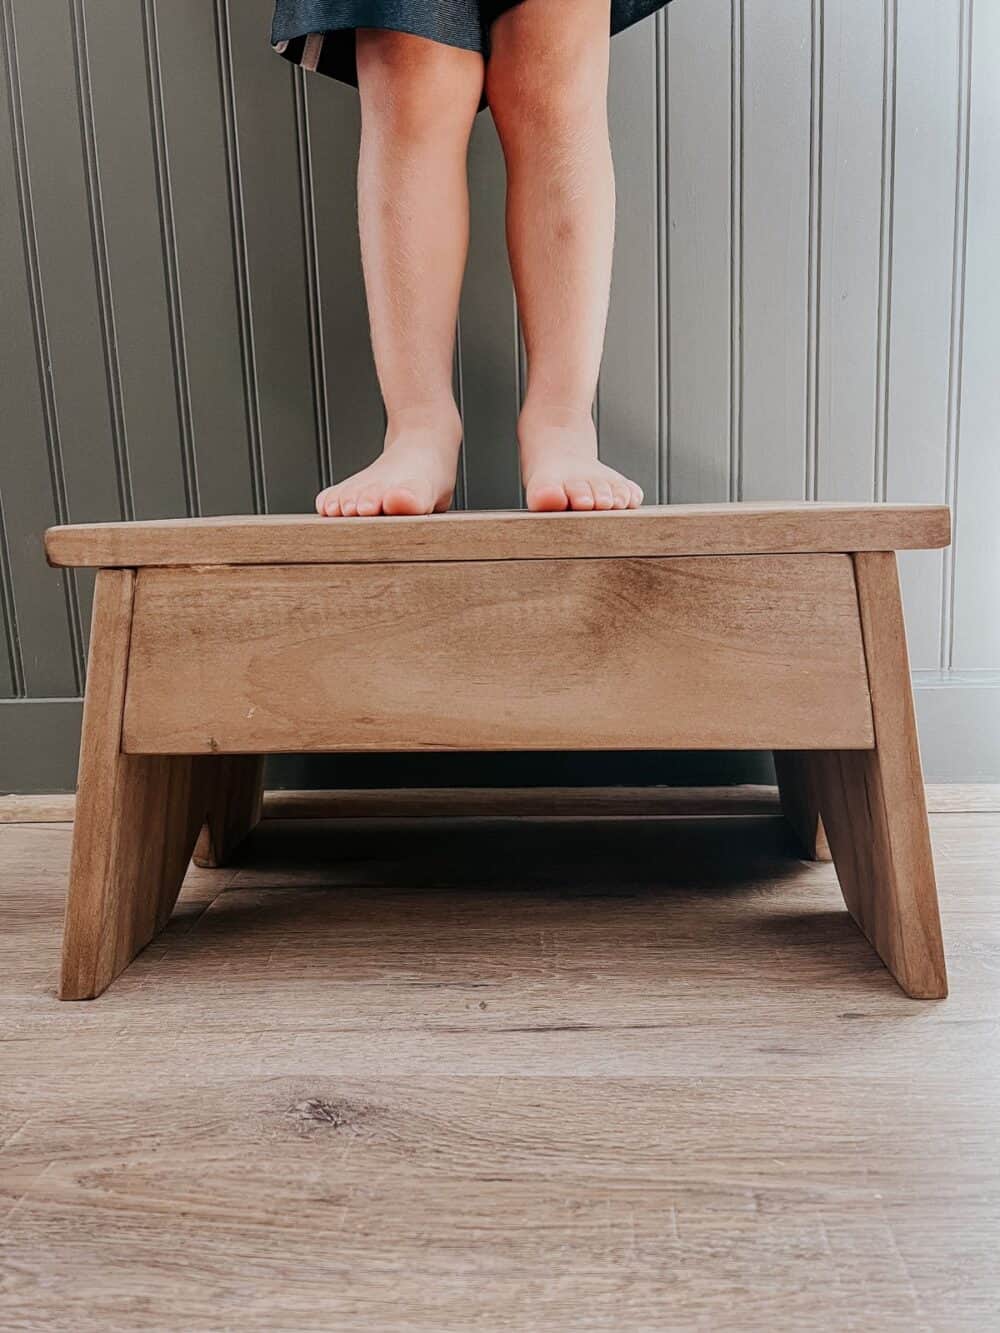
[(508, 1074)]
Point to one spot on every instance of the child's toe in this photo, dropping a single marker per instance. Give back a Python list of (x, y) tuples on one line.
[(603, 496), (581, 494), (548, 496), (369, 502), (408, 498)]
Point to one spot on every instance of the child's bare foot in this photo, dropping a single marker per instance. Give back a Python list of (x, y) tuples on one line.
[(560, 467), (414, 474)]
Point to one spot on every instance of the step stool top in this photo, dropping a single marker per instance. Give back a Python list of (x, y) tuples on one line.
[(656, 530)]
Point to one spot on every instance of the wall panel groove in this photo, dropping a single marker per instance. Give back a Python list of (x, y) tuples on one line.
[(975, 626), (886, 202), (240, 257), (956, 328), (662, 48), (199, 221), (629, 389), (736, 232), (814, 259), (13, 684), (99, 247), (170, 259), (923, 238), (849, 222), (701, 333)]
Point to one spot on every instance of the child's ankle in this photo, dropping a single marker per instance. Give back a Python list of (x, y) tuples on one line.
[(542, 412), (438, 418), (548, 428)]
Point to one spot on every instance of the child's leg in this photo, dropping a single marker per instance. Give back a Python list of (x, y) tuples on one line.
[(546, 80), (418, 102)]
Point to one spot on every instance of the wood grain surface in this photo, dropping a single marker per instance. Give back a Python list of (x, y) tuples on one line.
[(137, 818), (872, 803), (715, 652), (799, 795), (681, 529), (502, 1075), (235, 806)]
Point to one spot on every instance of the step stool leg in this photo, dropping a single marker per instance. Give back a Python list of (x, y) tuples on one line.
[(873, 804), (236, 790), (137, 816), (799, 794)]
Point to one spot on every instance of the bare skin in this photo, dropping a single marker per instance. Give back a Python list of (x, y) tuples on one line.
[(418, 102), (546, 81), (547, 84)]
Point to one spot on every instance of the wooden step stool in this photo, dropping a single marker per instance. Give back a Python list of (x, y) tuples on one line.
[(744, 626)]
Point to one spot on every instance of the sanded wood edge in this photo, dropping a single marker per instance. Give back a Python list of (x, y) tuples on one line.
[(743, 528), (87, 932)]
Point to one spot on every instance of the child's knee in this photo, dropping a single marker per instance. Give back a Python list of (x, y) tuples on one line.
[(416, 86), (551, 100)]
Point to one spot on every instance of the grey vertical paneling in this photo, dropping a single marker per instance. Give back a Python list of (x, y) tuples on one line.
[(161, 478), (38, 614), (354, 401), (805, 298), (268, 163), (921, 291), (629, 394), (488, 329), (777, 84), (67, 230), (850, 217), (66, 251), (958, 293), (698, 147), (974, 638), (210, 340)]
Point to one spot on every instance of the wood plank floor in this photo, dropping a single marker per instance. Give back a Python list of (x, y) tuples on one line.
[(503, 1074)]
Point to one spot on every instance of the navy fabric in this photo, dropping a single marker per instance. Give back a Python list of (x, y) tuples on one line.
[(319, 34)]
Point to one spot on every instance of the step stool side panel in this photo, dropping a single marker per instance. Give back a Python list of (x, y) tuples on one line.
[(873, 804), (136, 819), (705, 652)]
